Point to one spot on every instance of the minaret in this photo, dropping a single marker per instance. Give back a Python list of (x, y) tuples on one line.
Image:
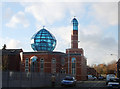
[(74, 35), (76, 60)]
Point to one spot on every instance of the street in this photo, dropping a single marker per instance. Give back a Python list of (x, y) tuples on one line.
[(80, 85), (93, 84), (89, 85)]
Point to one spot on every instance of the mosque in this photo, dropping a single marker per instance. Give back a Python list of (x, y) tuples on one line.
[(44, 59)]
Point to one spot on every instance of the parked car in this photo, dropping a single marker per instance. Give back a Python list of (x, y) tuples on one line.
[(114, 83), (95, 78), (91, 77), (100, 78), (68, 81), (109, 77)]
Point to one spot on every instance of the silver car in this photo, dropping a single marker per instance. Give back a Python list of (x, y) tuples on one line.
[(68, 81)]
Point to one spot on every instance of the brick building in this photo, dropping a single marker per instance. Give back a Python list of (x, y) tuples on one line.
[(92, 71), (44, 59), (11, 59)]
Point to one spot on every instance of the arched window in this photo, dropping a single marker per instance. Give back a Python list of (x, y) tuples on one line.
[(33, 64), (73, 66), (53, 65), (41, 65)]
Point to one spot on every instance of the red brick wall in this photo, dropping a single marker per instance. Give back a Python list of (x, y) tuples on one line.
[(80, 63), (47, 61), (74, 39)]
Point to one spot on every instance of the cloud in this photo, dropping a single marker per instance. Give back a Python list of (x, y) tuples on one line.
[(91, 29), (7, 14), (18, 18), (46, 12), (51, 12), (63, 36), (105, 13), (11, 43), (96, 46)]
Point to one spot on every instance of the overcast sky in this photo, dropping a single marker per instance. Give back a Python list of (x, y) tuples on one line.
[(98, 26)]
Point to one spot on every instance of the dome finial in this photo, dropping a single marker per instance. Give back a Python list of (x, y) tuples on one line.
[(43, 27), (74, 16)]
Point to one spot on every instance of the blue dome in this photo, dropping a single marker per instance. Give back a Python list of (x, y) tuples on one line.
[(43, 40)]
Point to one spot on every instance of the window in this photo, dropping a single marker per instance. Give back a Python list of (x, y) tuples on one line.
[(42, 65), (26, 62), (62, 61), (53, 66), (26, 65), (26, 70), (63, 71), (73, 66), (33, 64), (53, 61)]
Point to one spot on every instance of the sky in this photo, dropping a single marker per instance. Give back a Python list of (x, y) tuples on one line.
[(98, 26)]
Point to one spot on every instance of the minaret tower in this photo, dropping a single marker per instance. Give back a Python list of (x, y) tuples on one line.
[(74, 35), (76, 60)]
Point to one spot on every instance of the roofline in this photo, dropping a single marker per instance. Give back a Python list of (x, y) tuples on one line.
[(41, 52)]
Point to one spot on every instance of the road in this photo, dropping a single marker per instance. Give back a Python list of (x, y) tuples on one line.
[(80, 85), (89, 85)]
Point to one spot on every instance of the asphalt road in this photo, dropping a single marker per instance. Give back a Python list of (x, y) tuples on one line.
[(80, 85), (96, 84), (89, 85)]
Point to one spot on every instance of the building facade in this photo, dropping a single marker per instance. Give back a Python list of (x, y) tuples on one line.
[(44, 59), (11, 59), (92, 71)]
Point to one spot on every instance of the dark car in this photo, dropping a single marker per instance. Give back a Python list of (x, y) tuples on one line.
[(100, 78), (114, 83), (68, 81)]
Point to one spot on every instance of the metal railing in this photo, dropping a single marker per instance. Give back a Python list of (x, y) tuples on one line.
[(29, 79)]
